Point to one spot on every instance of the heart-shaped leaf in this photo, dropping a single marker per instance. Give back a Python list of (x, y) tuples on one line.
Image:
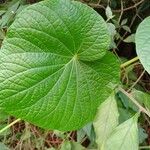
[(142, 40), (54, 68)]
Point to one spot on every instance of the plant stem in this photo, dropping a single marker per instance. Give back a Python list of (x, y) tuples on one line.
[(129, 62), (136, 81), (9, 125), (141, 108), (131, 7)]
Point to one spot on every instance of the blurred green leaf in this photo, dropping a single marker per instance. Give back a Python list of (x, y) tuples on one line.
[(106, 120), (142, 135), (80, 135), (3, 115), (143, 43), (59, 134), (109, 13), (124, 137), (66, 145), (130, 39), (113, 32), (142, 97), (2, 12), (7, 17), (3, 147), (76, 146), (50, 148), (127, 102), (126, 28), (2, 35), (124, 114), (86, 132), (124, 21)]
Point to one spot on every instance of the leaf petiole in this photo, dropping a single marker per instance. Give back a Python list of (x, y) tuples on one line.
[(129, 62), (9, 125)]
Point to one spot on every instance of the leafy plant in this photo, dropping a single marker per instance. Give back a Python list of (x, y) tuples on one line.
[(57, 73), (9, 10), (142, 40), (54, 65)]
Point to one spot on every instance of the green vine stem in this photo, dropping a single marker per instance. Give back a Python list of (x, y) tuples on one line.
[(9, 125), (129, 62), (141, 108)]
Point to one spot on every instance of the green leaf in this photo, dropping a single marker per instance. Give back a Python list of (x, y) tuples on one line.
[(142, 97), (7, 17), (125, 114), (112, 29), (87, 131), (142, 135), (143, 43), (127, 102), (124, 137), (2, 34), (113, 32), (50, 148), (3, 147), (109, 13), (124, 21), (106, 120), (130, 39), (66, 145), (126, 28), (76, 146), (54, 66), (2, 12), (3, 115)]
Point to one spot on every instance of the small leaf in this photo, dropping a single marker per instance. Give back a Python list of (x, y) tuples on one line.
[(124, 21), (125, 114), (112, 31), (106, 120), (109, 13), (126, 28), (76, 146), (124, 137), (6, 18), (86, 131), (66, 145), (142, 97), (142, 135), (130, 39), (127, 102), (142, 40), (59, 134), (80, 135)]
